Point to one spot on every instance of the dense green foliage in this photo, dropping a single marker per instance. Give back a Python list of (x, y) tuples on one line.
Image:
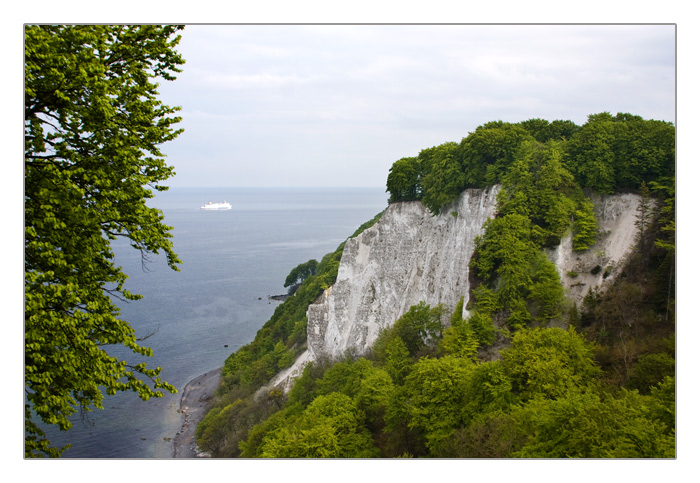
[(416, 329), (93, 125), (523, 374), (552, 393), (607, 154), (300, 273), (543, 130), (330, 427), (405, 179), (543, 398), (612, 153)]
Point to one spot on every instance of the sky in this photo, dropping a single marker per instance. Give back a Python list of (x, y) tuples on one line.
[(336, 105)]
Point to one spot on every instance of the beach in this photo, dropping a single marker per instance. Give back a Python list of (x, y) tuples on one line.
[(193, 403)]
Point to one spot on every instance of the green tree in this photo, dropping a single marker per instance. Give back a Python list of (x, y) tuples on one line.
[(619, 152), (373, 396), (344, 377), (665, 189), (417, 330), (397, 360), (645, 216), (435, 396), (650, 370), (460, 340), (490, 435), (483, 328), (331, 427), (443, 180), (93, 126), (590, 155), (252, 446), (644, 150), (546, 292), (548, 362), (589, 425), (404, 180), (538, 186), (420, 326), (485, 299), (543, 130), (300, 273), (663, 406), (504, 258), (486, 154), (585, 226), (489, 389), (506, 248)]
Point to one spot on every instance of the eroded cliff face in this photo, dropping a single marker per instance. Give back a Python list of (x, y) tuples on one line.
[(598, 266), (410, 256)]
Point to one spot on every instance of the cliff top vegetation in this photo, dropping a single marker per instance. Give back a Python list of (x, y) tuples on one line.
[(594, 381), (607, 154)]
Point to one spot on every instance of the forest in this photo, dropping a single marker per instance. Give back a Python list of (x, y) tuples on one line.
[(589, 381)]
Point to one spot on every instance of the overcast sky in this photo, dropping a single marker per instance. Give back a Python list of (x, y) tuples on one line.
[(336, 105)]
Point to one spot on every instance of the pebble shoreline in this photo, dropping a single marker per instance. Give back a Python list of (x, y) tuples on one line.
[(193, 403)]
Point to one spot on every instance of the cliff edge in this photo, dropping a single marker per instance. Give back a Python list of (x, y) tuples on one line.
[(407, 257), (410, 256)]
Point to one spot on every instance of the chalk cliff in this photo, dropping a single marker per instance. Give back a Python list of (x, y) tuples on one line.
[(410, 256), (407, 257), (598, 266)]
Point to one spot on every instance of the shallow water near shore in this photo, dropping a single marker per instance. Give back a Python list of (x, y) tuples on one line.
[(231, 262)]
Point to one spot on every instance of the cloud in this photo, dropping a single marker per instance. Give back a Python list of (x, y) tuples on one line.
[(336, 105), (257, 81)]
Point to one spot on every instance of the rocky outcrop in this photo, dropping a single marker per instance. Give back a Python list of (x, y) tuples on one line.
[(410, 256), (599, 265)]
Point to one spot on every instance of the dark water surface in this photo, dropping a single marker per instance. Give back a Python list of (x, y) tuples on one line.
[(232, 260)]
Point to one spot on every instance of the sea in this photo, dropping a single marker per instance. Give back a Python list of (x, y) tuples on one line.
[(232, 261)]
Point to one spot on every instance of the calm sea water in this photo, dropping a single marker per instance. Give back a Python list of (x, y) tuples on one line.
[(232, 260)]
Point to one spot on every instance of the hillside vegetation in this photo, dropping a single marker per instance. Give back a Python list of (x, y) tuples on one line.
[(593, 381)]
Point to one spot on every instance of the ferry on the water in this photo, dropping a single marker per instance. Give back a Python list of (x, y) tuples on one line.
[(217, 206)]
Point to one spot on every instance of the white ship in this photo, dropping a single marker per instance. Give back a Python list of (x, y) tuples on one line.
[(217, 206)]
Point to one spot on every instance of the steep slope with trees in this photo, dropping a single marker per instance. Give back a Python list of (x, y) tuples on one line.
[(517, 370)]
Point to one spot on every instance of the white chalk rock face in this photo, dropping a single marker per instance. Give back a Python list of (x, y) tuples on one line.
[(408, 256), (602, 262)]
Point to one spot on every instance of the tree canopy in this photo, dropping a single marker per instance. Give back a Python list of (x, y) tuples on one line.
[(618, 152), (93, 126), (606, 154), (300, 273)]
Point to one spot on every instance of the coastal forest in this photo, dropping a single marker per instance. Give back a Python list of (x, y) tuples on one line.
[(528, 374)]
